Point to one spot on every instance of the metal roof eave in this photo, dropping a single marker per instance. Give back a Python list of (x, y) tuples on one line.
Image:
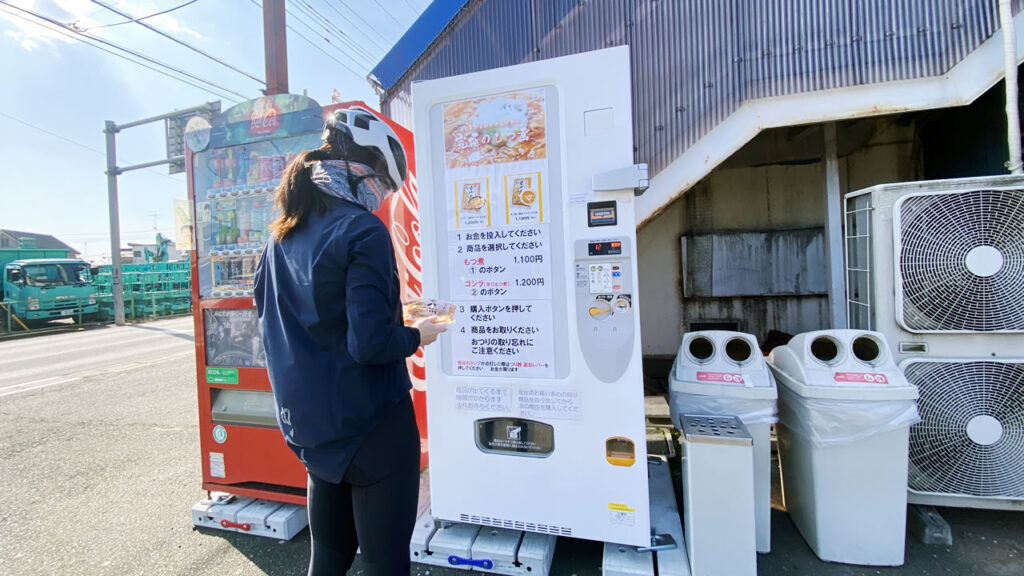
[(426, 30), (964, 83)]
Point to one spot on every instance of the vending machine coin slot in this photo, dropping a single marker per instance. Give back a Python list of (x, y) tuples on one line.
[(604, 296)]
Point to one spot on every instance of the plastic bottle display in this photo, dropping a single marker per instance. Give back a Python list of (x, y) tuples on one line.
[(236, 199)]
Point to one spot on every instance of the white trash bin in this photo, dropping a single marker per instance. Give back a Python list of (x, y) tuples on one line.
[(723, 373), (845, 412)]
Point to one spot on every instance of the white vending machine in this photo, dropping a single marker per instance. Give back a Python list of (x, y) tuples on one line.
[(535, 395)]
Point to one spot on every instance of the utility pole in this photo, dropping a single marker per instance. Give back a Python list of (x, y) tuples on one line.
[(275, 47), (116, 284), (174, 121)]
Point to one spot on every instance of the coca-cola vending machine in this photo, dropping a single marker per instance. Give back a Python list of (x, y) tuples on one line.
[(234, 166)]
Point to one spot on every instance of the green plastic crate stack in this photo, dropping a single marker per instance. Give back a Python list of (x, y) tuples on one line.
[(150, 290)]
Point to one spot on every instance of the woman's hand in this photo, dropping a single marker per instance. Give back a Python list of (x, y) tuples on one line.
[(429, 328)]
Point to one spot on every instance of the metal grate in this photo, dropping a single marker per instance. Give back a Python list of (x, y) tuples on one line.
[(516, 525), (970, 440), (858, 262), (961, 261)]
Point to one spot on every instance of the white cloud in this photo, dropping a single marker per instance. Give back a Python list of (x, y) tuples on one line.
[(164, 22), (28, 44), (31, 33), (170, 24)]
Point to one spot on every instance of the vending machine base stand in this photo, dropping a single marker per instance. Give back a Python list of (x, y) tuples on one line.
[(248, 515), (278, 495), (514, 552)]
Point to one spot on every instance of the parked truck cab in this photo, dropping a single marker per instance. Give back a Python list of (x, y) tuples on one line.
[(41, 289)]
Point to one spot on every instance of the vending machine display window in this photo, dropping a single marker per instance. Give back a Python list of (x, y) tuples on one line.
[(234, 203), (232, 338)]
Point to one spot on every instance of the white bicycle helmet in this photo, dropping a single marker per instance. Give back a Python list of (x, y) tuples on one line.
[(375, 143)]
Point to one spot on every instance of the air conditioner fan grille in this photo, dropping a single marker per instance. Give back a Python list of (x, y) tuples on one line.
[(961, 261), (970, 440)]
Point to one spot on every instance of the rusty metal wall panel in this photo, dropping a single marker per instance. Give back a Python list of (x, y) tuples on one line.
[(694, 62)]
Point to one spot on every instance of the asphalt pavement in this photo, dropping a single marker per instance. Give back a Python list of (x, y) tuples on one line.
[(99, 468)]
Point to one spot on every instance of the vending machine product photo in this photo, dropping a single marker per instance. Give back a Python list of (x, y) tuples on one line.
[(535, 394)]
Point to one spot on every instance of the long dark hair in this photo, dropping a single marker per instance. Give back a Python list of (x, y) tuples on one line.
[(296, 196)]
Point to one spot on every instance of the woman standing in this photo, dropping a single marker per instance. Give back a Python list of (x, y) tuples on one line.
[(327, 296)]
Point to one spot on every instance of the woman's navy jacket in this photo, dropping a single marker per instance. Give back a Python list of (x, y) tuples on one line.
[(327, 296)]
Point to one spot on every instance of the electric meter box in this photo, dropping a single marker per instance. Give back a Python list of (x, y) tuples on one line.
[(535, 393)]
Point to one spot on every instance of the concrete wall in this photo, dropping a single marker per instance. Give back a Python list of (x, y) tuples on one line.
[(768, 200)]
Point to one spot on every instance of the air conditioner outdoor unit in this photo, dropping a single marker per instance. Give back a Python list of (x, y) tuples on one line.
[(938, 267)]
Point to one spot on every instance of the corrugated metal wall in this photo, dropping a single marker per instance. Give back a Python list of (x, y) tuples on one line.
[(695, 61)]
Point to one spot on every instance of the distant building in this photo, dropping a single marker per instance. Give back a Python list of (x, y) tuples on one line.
[(13, 239)]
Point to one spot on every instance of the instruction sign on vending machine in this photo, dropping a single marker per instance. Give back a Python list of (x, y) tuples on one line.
[(535, 395)]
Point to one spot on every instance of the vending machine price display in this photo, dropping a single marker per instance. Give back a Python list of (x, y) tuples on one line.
[(605, 248)]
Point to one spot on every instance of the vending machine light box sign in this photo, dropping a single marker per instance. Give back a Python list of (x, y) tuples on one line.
[(535, 392)]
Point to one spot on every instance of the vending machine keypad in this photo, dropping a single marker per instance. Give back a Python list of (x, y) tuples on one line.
[(604, 309)]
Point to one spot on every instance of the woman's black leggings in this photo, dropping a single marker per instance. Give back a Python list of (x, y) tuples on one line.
[(374, 507)]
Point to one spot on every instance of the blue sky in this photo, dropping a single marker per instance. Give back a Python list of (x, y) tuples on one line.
[(57, 92)]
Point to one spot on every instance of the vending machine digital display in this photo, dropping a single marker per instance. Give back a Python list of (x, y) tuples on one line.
[(535, 394)]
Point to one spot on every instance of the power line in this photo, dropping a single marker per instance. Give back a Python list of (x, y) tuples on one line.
[(316, 17), (54, 134), (144, 17), (415, 10), (61, 30), (361, 76), (76, 143), (356, 26), (122, 48), (312, 28), (363, 20), (370, 58), (310, 42), (176, 40), (315, 45), (388, 12)]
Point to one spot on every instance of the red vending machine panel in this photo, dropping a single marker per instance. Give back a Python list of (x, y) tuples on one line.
[(231, 184), (233, 168)]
